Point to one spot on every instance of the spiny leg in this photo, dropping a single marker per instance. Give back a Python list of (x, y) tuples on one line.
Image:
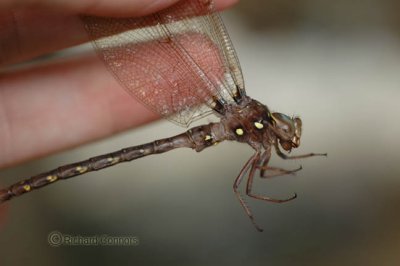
[(250, 184), (278, 171), (250, 163), (265, 157)]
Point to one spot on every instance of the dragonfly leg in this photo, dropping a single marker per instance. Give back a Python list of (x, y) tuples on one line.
[(251, 178), (277, 171), (288, 157), (264, 161), (250, 164)]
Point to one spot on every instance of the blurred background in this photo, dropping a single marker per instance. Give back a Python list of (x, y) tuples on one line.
[(334, 63)]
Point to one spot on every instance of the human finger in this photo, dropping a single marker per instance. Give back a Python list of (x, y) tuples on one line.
[(30, 33)]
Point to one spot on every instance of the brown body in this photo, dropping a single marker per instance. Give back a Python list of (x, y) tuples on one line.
[(246, 121), (197, 138), (181, 63)]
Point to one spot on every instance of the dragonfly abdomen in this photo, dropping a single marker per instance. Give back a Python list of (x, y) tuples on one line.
[(196, 138)]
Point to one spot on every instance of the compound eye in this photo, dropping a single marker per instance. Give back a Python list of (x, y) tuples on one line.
[(284, 123), (285, 128)]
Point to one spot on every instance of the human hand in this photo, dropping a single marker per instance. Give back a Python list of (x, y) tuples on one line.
[(48, 107), (44, 108)]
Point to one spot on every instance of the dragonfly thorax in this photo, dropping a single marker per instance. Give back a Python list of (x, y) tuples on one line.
[(252, 122), (248, 121)]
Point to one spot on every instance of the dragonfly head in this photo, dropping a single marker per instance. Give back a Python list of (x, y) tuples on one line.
[(287, 130)]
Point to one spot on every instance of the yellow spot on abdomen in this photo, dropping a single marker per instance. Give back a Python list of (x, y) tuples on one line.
[(27, 187), (208, 137), (51, 178), (113, 160), (81, 169)]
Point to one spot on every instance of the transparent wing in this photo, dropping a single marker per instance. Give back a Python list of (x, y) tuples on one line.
[(178, 62)]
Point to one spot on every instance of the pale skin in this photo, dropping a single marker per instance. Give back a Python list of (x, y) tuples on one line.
[(40, 103)]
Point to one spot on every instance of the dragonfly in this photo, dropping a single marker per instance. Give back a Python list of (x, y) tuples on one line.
[(181, 64)]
